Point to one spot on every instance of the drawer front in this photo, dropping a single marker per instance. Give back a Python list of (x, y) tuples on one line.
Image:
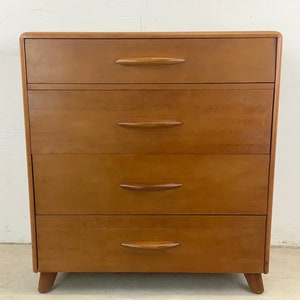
[(171, 60), (150, 184), (188, 121), (151, 244)]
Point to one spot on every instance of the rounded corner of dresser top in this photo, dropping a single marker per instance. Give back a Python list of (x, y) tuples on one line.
[(278, 34), (25, 35)]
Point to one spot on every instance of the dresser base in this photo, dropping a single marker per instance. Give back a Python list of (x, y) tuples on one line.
[(254, 281), (46, 281)]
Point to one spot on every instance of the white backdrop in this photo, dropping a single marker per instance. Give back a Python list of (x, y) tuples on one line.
[(17, 16)]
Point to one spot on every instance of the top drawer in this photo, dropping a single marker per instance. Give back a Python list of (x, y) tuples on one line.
[(150, 60)]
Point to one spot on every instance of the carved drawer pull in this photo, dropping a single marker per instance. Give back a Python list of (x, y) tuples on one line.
[(151, 245), (149, 60), (150, 124), (163, 186)]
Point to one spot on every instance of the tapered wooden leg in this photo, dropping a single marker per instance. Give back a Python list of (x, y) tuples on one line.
[(46, 281), (255, 282)]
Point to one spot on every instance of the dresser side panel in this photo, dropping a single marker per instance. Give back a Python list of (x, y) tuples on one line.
[(273, 153), (28, 154)]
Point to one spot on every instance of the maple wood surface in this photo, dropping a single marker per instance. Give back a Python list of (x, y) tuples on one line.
[(255, 282), (273, 153), (206, 60), (148, 86), (90, 184), (151, 152), (94, 243), (213, 121), (150, 35), (28, 156), (46, 281)]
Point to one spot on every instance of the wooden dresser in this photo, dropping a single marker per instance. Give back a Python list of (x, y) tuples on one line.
[(151, 152)]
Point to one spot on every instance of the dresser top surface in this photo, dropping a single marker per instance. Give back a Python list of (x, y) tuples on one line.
[(149, 35)]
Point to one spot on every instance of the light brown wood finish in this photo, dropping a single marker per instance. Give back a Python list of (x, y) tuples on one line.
[(93, 243), (29, 161), (149, 86), (214, 122), (150, 35), (207, 60), (150, 245), (159, 124), (89, 184), (273, 153), (148, 60), (255, 282), (46, 281), (222, 154), (150, 187)]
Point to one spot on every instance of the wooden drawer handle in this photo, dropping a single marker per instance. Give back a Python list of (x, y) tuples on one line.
[(163, 186), (151, 245), (149, 60), (150, 124)]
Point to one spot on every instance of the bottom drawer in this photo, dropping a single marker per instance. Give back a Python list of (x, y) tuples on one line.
[(151, 244)]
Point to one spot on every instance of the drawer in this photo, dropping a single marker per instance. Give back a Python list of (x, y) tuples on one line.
[(150, 184), (150, 60), (185, 121), (151, 244)]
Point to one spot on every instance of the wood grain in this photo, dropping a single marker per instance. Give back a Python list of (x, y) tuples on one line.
[(273, 153), (150, 245), (207, 60), (46, 281), (150, 35), (149, 60), (149, 86), (214, 122), (157, 124), (255, 282), (93, 243), (81, 162), (89, 184), (28, 156), (150, 187)]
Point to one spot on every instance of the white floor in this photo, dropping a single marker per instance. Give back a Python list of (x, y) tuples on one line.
[(17, 281)]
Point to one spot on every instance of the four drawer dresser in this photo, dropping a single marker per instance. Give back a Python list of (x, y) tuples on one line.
[(151, 152)]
